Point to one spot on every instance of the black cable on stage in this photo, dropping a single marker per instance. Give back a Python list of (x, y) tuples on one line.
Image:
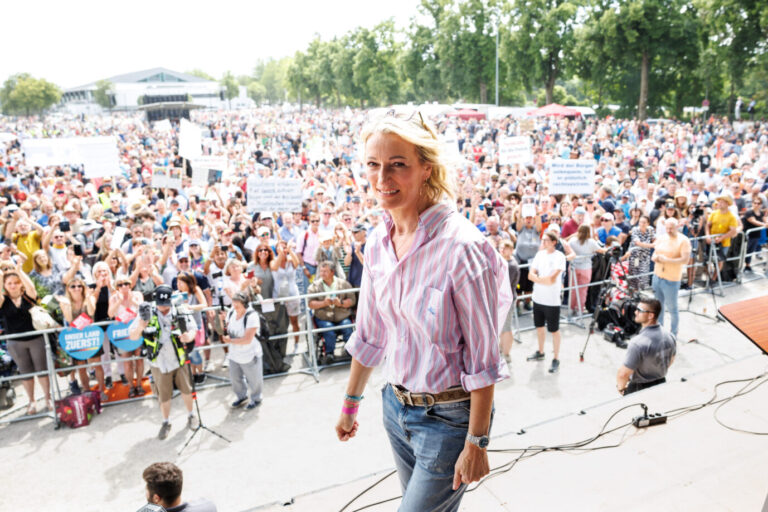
[(579, 445), (739, 393)]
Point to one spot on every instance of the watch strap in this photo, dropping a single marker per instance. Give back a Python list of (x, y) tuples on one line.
[(479, 441)]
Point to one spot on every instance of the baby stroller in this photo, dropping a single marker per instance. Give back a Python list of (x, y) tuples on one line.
[(7, 368)]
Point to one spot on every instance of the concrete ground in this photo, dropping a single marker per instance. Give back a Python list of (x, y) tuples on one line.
[(286, 449)]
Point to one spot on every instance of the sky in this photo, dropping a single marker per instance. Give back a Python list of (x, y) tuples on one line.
[(80, 41)]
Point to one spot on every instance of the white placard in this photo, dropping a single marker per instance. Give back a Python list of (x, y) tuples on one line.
[(273, 194), (571, 176), (117, 237), (529, 210), (515, 150), (450, 140), (98, 155), (163, 125), (190, 140), (207, 170), (166, 177), (268, 306)]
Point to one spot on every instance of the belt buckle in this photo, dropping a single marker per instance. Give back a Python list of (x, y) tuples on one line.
[(426, 398)]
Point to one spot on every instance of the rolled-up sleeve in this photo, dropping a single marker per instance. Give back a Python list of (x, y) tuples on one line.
[(477, 298), (368, 343)]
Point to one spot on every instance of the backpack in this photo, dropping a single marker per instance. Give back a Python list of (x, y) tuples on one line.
[(272, 360)]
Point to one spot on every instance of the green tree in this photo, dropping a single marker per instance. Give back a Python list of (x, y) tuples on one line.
[(559, 96), (466, 47), (231, 87), (419, 59), (638, 39), (257, 92), (272, 74), (103, 93), (26, 95), (540, 41), (201, 74)]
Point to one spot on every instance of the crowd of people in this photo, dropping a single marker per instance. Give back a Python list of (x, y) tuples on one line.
[(656, 183)]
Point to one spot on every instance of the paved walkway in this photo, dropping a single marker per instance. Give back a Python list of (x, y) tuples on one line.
[(286, 449)]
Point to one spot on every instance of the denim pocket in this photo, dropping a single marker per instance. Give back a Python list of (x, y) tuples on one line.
[(455, 415)]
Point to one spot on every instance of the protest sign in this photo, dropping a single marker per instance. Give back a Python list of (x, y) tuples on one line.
[(117, 237), (571, 176), (515, 150), (163, 125), (190, 140), (166, 177), (119, 337), (97, 155), (526, 125), (273, 194), (81, 344), (450, 141), (528, 210), (208, 170)]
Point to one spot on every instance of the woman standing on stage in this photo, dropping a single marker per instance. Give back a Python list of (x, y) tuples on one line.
[(430, 299)]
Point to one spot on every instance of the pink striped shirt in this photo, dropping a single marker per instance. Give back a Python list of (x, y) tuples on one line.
[(433, 316)]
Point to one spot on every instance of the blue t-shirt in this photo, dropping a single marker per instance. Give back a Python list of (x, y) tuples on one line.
[(603, 235)]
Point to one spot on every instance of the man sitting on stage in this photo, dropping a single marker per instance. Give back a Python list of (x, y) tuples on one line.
[(331, 310), (649, 354)]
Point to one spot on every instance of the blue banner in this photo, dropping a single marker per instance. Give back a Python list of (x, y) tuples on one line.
[(82, 344), (118, 336)]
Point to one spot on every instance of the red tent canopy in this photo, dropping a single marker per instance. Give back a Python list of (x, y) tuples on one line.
[(553, 109), (466, 113)]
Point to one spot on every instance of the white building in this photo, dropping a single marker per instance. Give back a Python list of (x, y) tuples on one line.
[(156, 87)]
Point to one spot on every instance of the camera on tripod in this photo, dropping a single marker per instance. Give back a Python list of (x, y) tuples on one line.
[(614, 334)]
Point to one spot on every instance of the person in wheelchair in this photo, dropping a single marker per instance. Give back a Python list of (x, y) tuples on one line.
[(332, 310)]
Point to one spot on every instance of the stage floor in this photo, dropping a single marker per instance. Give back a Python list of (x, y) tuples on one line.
[(286, 449)]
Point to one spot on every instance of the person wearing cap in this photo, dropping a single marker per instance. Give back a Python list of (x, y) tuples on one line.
[(608, 228), (354, 258), (330, 253), (167, 352), (245, 353), (722, 225)]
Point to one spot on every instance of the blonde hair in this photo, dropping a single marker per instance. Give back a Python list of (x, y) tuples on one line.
[(36, 266), (416, 131)]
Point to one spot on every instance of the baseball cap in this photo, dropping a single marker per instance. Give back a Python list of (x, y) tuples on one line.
[(579, 210), (262, 230), (607, 216), (357, 228), (163, 295)]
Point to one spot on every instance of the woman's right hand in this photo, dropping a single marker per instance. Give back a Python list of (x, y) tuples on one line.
[(346, 427)]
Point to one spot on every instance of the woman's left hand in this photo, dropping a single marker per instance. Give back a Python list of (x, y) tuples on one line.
[(471, 466)]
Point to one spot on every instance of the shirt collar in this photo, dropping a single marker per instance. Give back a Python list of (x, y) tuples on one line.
[(429, 220)]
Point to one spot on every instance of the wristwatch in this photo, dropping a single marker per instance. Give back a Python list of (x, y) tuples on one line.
[(479, 441)]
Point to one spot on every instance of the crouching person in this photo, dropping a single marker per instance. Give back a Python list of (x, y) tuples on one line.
[(165, 342), (245, 356)]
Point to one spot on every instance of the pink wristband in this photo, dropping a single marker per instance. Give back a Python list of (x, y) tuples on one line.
[(349, 410)]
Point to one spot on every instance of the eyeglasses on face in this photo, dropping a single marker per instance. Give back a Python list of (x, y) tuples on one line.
[(75, 286), (640, 310)]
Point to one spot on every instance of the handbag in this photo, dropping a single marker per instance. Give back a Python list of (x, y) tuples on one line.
[(41, 319)]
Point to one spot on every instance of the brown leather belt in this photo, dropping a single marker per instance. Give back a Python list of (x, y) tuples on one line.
[(451, 395)]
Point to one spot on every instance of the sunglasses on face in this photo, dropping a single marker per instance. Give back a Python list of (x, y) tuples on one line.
[(263, 250), (75, 286), (314, 222), (120, 285)]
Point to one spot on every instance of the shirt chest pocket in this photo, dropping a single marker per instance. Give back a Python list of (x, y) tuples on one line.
[(425, 307)]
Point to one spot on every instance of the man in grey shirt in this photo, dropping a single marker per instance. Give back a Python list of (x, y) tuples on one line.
[(649, 354)]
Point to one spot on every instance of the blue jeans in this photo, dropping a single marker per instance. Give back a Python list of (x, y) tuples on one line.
[(753, 245), (426, 443), (330, 336), (666, 292)]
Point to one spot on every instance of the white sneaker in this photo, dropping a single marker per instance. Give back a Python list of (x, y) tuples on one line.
[(208, 366), (225, 363)]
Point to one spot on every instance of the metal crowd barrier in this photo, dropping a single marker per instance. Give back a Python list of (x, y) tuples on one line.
[(312, 367), (310, 357)]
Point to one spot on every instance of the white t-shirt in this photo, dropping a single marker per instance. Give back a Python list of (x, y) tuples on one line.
[(546, 264), (243, 354)]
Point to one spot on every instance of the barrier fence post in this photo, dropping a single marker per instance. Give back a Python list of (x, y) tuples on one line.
[(311, 349), (53, 383)]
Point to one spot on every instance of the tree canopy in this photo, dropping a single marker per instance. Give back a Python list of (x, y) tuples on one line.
[(23, 94)]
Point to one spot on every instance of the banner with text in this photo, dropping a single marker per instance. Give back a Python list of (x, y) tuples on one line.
[(119, 337), (82, 344), (166, 177), (97, 155), (208, 170), (274, 195), (572, 176), (515, 150)]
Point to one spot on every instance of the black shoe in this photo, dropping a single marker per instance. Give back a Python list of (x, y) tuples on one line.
[(132, 392), (528, 306), (621, 343), (164, 430), (238, 403), (253, 404), (108, 382), (536, 356), (329, 359), (555, 366), (74, 388), (140, 391), (123, 380), (198, 378)]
